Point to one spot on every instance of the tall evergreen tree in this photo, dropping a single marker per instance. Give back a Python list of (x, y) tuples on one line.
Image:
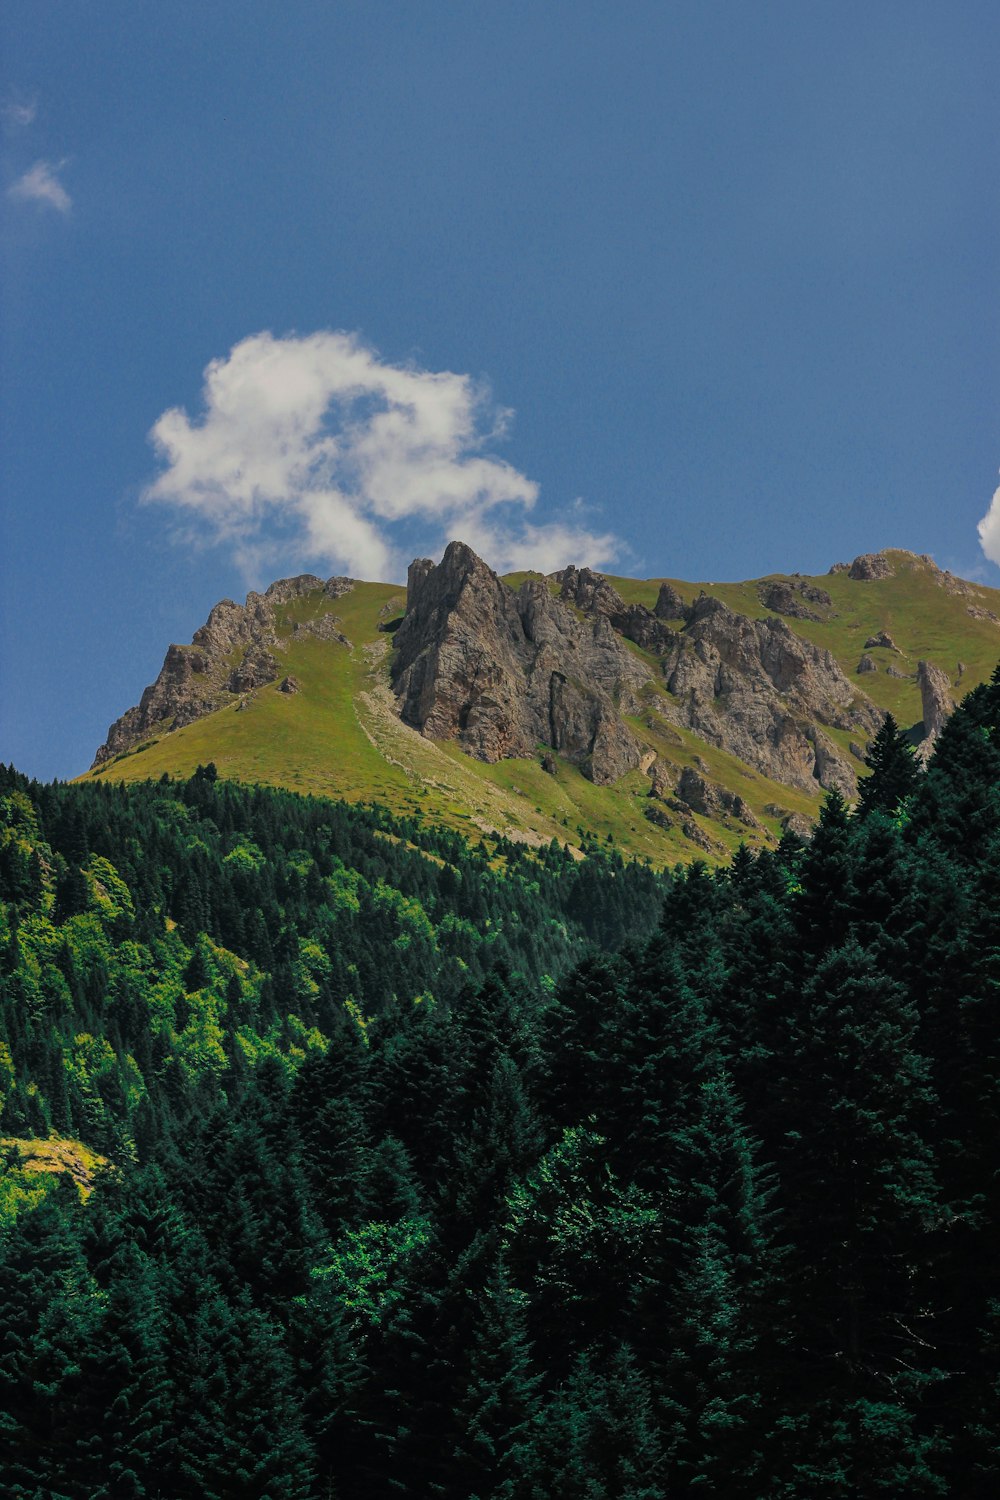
[(892, 763)]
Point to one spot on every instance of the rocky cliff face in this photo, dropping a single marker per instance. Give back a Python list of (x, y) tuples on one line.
[(565, 667), (758, 690), (229, 656), (935, 696), (503, 673)]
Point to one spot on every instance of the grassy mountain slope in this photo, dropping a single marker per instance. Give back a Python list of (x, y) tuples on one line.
[(338, 735)]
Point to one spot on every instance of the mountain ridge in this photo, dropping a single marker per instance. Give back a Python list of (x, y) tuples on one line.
[(677, 718)]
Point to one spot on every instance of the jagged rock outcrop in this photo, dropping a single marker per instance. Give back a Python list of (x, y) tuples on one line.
[(758, 690), (713, 801), (196, 680), (501, 673), (669, 604), (882, 639), (866, 664), (325, 627), (594, 595), (792, 599), (661, 777), (866, 568), (936, 701)]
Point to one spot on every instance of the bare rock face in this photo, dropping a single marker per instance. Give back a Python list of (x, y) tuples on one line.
[(501, 673), (866, 664), (882, 639), (935, 697), (660, 778), (757, 690), (704, 796), (669, 604), (792, 599), (870, 566), (593, 594), (325, 627), (197, 679)]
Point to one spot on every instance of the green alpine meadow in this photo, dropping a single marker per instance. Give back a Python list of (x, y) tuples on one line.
[(526, 1038)]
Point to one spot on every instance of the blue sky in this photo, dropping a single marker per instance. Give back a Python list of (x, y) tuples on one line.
[(700, 290)]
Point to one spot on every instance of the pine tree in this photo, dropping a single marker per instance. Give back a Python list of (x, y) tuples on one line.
[(892, 762), (495, 1412)]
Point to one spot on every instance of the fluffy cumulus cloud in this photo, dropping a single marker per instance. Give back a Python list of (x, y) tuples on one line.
[(314, 449), (40, 184), (989, 530)]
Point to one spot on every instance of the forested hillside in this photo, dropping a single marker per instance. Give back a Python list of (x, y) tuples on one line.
[(379, 1164)]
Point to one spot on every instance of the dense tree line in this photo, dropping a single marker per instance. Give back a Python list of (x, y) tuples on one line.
[(480, 1172)]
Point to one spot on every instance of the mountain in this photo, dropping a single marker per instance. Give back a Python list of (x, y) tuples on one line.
[(670, 717)]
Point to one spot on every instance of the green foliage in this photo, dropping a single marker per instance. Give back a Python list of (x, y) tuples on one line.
[(370, 1271), (436, 1171)]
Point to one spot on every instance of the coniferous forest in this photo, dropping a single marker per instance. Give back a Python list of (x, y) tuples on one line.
[(417, 1166)]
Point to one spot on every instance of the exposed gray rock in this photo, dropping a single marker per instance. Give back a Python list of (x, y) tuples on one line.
[(884, 640), (698, 836), (870, 566), (661, 778), (757, 690), (866, 664), (669, 604), (936, 701), (705, 797), (500, 672), (982, 614), (293, 588), (696, 791), (891, 671), (656, 814), (195, 680), (593, 594), (792, 599), (948, 581), (289, 685), (326, 627), (257, 668), (831, 770), (795, 823)]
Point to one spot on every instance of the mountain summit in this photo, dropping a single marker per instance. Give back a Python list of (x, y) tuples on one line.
[(674, 717)]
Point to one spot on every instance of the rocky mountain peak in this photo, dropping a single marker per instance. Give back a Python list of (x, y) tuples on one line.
[(565, 670), (229, 656), (503, 673)]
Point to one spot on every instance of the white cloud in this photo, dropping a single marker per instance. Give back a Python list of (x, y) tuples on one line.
[(313, 447), (40, 184), (989, 530)]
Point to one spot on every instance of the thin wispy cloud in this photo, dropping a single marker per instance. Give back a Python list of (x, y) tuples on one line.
[(315, 448), (989, 530), (18, 113), (40, 184)]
